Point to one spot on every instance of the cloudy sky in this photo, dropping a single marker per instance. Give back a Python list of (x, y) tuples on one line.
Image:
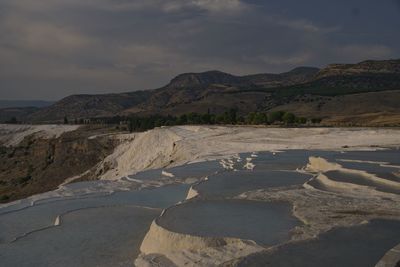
[(53, 48)]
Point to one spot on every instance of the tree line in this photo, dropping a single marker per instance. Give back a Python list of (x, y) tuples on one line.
[(229, 117)]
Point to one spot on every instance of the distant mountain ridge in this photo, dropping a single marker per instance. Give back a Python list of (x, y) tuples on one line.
[(217, 91), (297, 75), (24, 103)]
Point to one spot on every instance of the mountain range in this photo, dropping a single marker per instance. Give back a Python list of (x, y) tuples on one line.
[(365, 93)]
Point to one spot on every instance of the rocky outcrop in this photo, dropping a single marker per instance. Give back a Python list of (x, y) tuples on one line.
[(39, 161)]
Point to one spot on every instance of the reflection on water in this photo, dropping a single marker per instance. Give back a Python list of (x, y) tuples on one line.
[(193, 170), (102, 230), (43, 215), (362, 245), (265, 223), (385, 172), (109, 236), (230, 184), (288, 160), (339, 176), (101, 226)]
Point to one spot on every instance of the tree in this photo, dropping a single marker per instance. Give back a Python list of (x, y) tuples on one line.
[(130, 126), (219, 119), (65, 120), (301, 120), (259, 118), (227, 118), (233, 116), (275, 116), (193, 118), (250, 117), (159, 122), (183, 119), (206, 118), (240, 120), (289, 118), (315, 120), (13, 120)]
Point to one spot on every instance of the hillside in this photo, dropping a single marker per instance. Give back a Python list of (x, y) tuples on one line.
[(365, 67), (88, 106), (36, 159), (218, 91)]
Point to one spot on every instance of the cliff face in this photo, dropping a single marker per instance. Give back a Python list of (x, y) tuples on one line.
[(38, 165)]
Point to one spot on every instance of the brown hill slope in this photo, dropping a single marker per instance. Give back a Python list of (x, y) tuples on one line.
[(88, 106), (183, 89), (218, 91)]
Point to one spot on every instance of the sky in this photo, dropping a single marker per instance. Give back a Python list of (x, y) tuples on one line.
[(50, 49)]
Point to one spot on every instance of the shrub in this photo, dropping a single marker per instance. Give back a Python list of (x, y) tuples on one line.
[(316, 120), (301, 120), (275, 116), (4, 197), (288, 118)]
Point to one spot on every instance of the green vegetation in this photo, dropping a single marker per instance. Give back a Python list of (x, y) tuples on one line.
[(337, 85), (229, 117), (288, 118), (13, 120), (4, 198), (275, 116)]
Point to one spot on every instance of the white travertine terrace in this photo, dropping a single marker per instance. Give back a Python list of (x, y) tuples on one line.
[(321, 165), (173, 146), (188, 250)]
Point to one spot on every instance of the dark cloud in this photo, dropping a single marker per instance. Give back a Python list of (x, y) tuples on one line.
[(397, 2), (355, 11), (53, 48)]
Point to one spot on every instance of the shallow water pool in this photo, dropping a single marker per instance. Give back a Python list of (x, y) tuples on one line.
[(263, 222), (230, 184)]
